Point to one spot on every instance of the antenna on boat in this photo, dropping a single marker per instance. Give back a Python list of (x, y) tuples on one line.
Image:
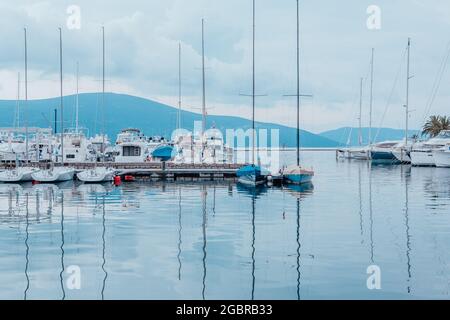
[(26, 93), (371, 96), (61, 94)]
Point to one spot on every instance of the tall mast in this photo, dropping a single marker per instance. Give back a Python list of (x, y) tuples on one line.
[(179, 87), (298, 86), (77, 99), (103, 88), (26, 94), (17, 118), (61, 94), (407, 93), (360, 112), (253, 88), (371, 96), (203, 79)]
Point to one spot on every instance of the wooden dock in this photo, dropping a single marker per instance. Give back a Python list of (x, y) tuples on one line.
[(158, 170)]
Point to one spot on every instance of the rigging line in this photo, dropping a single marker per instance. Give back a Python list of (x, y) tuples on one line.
[(391, 95), (354, 104), (437, 83)]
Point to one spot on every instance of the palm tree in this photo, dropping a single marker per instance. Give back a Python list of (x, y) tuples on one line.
[(435, 125)]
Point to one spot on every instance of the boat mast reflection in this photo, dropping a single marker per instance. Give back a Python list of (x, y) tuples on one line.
[(180, 228), (62, 248), (407, 176), (27, 251), (372, 246), (204, 196), (104, 246)]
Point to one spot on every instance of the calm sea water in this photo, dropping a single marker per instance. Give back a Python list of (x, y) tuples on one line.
[(222, 241)]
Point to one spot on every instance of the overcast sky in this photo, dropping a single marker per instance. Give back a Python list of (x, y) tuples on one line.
[(142, 54)]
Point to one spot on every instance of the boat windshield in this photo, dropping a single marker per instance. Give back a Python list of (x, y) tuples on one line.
[(444, 134)]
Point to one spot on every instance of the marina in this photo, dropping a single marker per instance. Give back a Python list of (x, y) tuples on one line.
[(232, 150)]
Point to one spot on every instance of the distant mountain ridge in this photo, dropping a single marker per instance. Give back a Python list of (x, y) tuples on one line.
[(349, 135), (153, 118)]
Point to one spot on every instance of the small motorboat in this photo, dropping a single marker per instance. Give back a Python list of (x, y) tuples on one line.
[(164, 152)]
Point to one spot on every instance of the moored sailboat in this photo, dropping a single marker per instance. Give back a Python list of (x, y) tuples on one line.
[(296, 174), (62, 173), (251, 174), (99, 174)]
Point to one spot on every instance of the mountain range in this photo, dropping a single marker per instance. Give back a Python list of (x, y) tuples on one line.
[(153, 118), (124, 111)]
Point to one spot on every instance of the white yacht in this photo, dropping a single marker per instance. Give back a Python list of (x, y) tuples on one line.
[(422, 153), (442, 157), (75, 147), (131, 147), (215, 150)]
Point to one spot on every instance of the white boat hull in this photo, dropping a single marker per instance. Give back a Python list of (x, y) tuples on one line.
[(96, 175), (401, 155), (442, 158), (422, 158), (54, 175), (21, 174)]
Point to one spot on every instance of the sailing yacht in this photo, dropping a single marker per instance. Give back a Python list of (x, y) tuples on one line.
[(20, 174), (57, 174), (251, 174), (99, 174), (402, 151), (422, 153), (296, 174)]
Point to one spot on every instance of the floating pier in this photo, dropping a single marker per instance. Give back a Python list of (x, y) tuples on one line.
[(157, 170)]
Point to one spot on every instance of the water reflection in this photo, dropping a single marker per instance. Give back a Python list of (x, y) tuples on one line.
[(27, 250), (61, 277), (224, 240), (406, 172), (104, 246), (204, 215)]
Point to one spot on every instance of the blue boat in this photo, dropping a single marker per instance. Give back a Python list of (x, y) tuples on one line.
[(163, 152), (381, 153), (250, 175), (298, 175)]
